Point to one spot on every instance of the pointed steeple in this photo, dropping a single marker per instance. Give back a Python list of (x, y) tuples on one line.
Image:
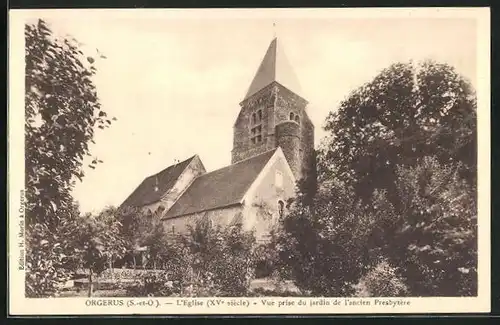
[(274, 67)]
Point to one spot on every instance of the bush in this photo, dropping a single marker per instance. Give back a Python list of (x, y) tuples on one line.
[(381, 281), (208, 261), (153, 284), (323, 248)]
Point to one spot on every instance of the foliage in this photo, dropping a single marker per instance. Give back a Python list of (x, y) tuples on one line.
[(209, 260), (98, 242), (153, 284), (381, 281), (397, 178), (48, 261), (143, 228), (434, 241), (61, 111), (152, 235), (265, 258), (408, 111), (98, 239), (323, 247)]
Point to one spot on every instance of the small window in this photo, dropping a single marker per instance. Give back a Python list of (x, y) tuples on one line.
[(173, 229), (292, 116), (259, 115), (281, 208), (160, 210), (297, 119), (278, 181), (254, 118), (256, 134)]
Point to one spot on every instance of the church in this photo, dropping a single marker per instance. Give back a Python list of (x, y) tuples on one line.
[(273, 148)]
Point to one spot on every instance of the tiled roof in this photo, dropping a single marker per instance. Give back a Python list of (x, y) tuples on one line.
[(220, 188), (274, 67), (145, 193)]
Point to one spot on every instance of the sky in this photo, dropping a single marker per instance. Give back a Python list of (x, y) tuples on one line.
[(174, 82)]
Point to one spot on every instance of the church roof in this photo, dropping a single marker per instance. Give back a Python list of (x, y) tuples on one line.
[(274, 67), (221, 188), (145, 193)]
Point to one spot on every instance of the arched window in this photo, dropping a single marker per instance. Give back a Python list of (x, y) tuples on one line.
[(160, 209), (281, 208), (254, 118), (292, 116), (297, 119), (256, 134)]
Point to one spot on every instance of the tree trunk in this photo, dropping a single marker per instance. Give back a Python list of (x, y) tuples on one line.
[(91, 285), (134, 261), (111, 268)]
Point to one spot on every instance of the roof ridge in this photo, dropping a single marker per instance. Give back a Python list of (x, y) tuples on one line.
[(238, 162), (173, 165), (222, 187)]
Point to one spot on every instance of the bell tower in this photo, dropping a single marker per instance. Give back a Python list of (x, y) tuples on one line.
[(273, 114)]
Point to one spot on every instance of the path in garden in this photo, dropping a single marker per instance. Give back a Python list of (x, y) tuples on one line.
[(268, 284)]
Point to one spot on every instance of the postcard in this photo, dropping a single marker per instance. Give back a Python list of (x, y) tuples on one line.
[(249, 161)]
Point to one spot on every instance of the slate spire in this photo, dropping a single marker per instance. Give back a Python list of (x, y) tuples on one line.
[(274, 67)]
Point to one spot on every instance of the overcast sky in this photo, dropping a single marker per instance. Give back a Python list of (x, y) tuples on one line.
[(175, 84)]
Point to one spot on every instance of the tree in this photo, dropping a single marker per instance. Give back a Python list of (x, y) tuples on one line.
[(219, 260), (50, 258), (152, 235), (322, 246), (62, 111), (408, 111), (433, 242), (396, 178), (143, 228), (98, 241), (206, 261), (405, 144)]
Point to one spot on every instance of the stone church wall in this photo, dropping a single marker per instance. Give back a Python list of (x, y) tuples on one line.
[(288, 138), (307, 146), (242, 146), (261, 211), (223, 216)]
